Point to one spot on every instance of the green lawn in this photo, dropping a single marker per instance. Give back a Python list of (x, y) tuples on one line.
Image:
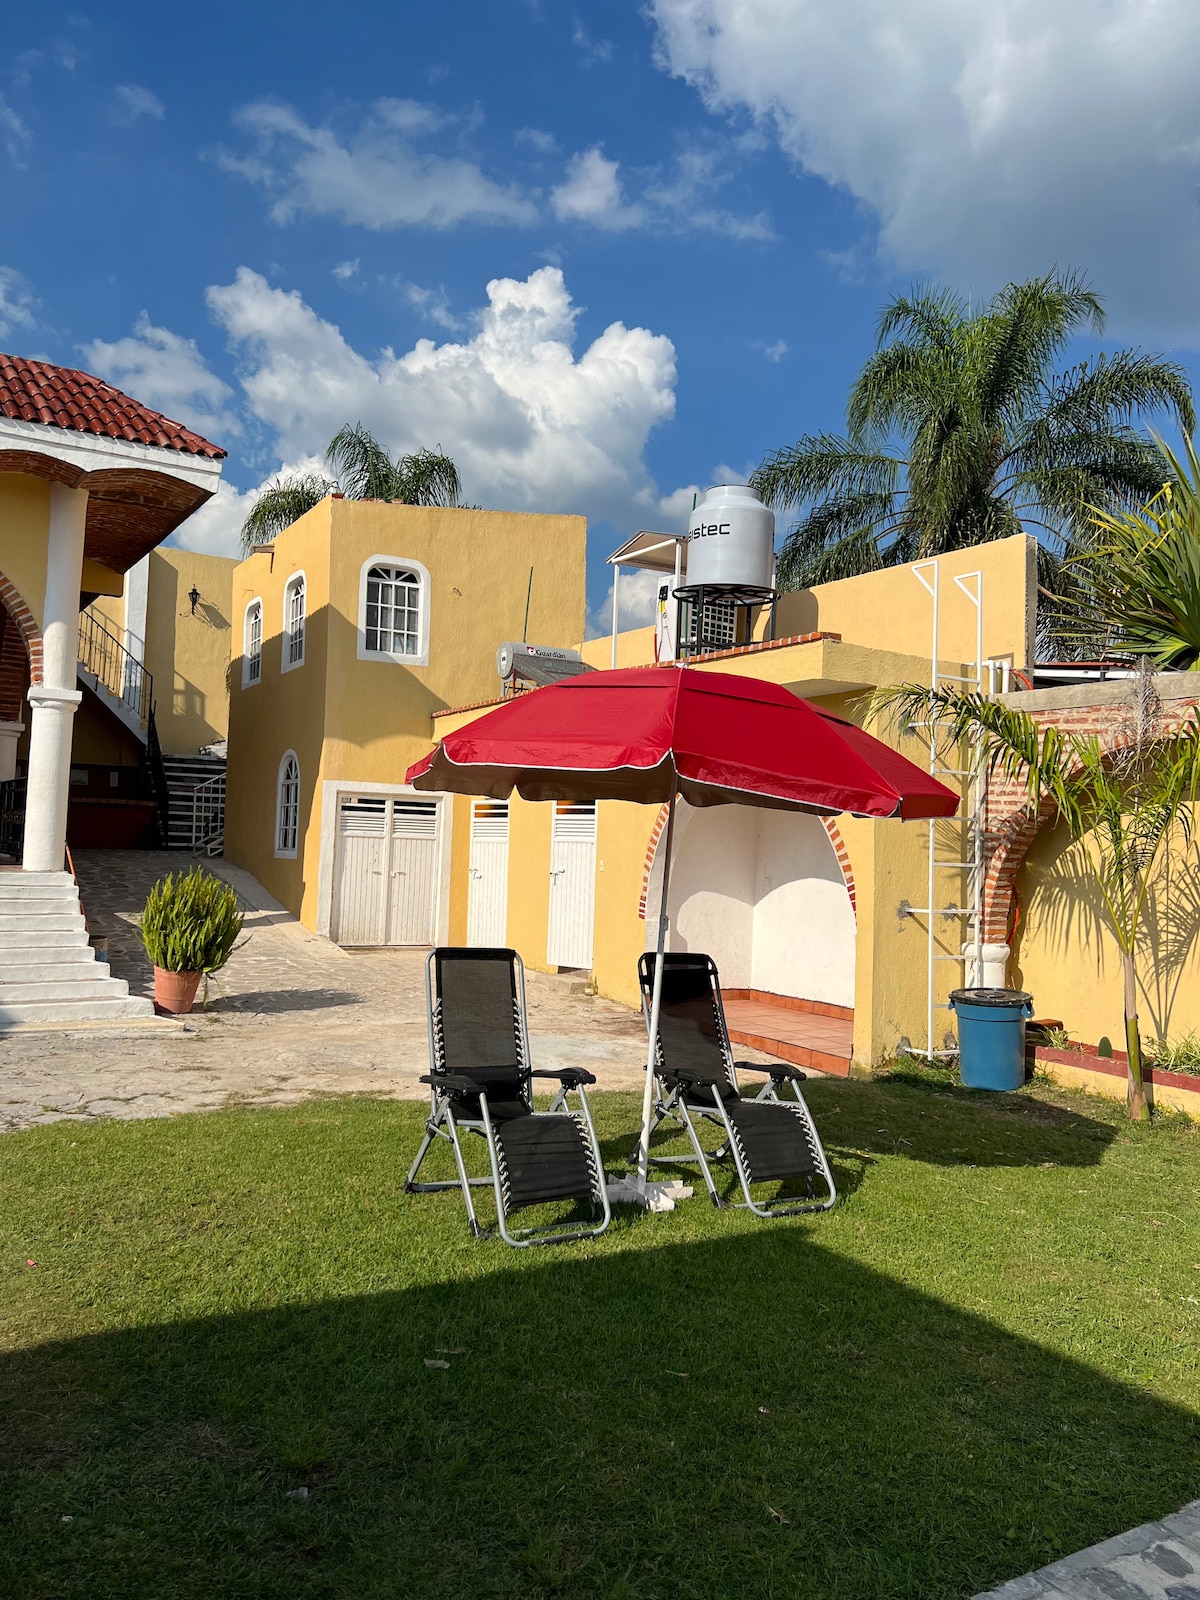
[(984, 1358)]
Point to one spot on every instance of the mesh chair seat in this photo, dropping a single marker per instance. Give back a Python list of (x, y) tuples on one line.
[(774, 1140), (543, 1158)]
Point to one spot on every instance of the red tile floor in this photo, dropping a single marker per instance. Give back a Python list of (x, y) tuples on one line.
[(807, 1040)]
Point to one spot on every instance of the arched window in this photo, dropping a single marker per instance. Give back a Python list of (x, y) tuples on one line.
[(252, 645), (393, 611), (287, 807), (293, 622)]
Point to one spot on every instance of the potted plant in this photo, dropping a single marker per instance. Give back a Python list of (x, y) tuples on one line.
[(189, 927)]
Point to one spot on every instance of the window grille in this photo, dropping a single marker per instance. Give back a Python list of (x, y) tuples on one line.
[(294, 643), (288, 828), (253, 642), (393, 619)]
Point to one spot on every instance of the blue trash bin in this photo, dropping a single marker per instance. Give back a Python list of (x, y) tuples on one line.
[(991, 1036)]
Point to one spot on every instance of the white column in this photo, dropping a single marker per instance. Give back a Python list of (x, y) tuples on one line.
[(54, 699)]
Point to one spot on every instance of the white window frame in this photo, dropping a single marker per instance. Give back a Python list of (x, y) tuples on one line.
[(297, 581), (421, 657), (249, 679), (284, 852)]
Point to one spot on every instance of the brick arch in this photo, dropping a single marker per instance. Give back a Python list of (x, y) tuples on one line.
[(26, 630), (831, 828), (1013, 824)]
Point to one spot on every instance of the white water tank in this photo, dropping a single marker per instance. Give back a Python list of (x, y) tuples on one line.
[(731, 539)]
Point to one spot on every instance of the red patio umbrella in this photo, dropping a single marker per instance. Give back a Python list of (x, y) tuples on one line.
[(651, 734)]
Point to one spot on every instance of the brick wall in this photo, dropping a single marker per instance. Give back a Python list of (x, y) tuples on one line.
[(1103, 710)]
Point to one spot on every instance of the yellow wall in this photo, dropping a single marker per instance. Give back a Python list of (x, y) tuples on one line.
[(367, 721), (188, 654), (1066, 958), (24, 531)]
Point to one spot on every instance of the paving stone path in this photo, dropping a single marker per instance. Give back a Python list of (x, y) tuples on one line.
[(289, 1017), (1158, 1561)]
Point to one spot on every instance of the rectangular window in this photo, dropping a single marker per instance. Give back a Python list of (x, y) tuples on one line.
[(294, 634), (393, 612), (252, 670)]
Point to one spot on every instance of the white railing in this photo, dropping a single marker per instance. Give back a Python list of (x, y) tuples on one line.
[(208, 816)]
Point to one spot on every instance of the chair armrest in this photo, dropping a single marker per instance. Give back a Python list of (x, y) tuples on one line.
[(780, 1071), (688, 1076), (569, 1077), (454, 1080)]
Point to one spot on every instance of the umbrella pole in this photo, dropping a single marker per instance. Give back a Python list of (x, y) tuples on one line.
[(656, 998)]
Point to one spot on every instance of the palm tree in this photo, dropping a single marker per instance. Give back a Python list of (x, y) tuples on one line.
[(1123, 808), (365, 471), (1138, 587), (960, 429)]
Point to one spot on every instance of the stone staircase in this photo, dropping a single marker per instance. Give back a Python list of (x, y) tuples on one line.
[(48, 971), (196, 818)]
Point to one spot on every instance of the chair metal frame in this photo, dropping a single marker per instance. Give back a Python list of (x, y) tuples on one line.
[(672, 1086), (445, 1123)]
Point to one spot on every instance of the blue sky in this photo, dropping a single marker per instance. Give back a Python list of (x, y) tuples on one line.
[(692, 209)]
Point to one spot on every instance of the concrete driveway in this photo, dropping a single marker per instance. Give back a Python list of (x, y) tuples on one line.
[(291, 1016)]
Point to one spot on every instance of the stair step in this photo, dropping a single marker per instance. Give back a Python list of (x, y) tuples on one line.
[(17, 954), (48, 919), (98, 987), (75, 1010), (43, 935), (13, 974), (36, 885)]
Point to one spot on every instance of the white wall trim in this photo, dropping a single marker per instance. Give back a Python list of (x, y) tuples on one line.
[(421, 658), (247, 681), (284, 664), (286, 855), (94, 452), (332, 789), (137, 590)]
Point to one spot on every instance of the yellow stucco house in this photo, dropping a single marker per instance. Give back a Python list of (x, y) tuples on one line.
[(367, 631)]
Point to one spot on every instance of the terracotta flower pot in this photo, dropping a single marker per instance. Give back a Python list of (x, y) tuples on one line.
[(175, 992)]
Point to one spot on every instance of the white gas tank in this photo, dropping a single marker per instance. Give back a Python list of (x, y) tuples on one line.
[(731, 539)]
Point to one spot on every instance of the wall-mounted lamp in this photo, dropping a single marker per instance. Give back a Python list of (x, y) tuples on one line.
[(194, 597)]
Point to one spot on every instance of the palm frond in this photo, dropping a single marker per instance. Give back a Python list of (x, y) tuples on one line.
[(364, 468), (426, 478), (823, 464), (280, 504)]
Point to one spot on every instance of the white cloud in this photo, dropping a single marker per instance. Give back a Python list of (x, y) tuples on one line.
[(345, 270), (537, 139), (135, 101), (773, 352), (380, 177), (166, 371), (532, 425), (593, 51), (990, 141), (433, 304), (16, 302), (637, 601), (216, 529), (13, 132), (591, 192)]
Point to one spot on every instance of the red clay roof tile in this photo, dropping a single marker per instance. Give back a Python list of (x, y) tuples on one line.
[(63, 397)]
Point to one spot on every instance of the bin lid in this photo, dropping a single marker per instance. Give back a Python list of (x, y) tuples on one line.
[(991, 997)]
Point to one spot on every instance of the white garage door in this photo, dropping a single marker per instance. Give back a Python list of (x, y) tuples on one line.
[(387, 876), (572, 884), (487, 894)]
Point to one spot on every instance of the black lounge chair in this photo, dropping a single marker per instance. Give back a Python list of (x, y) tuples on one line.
[(696, 1080), (480, 1082)]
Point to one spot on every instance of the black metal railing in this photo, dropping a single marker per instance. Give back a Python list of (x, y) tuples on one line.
[(158, 776), (12, 817), (103, 655)]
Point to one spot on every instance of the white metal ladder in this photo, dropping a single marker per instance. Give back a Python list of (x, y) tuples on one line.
[(971, 821)]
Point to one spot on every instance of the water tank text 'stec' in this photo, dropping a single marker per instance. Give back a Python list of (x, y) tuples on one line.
[(704, 530)]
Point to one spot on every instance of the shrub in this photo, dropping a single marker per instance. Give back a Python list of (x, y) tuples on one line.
[(190, 922), (1177, 1055)]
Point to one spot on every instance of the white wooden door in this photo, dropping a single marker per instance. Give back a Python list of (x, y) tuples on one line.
[(412, 871), (362, 851), (487, 891), (572, 884), (387, 875)]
